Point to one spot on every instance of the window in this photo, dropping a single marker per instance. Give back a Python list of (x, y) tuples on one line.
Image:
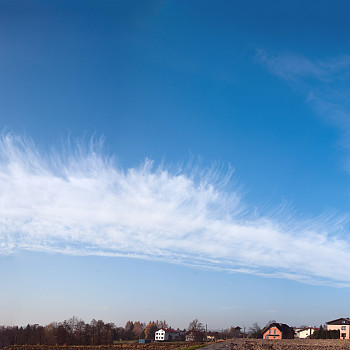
[(274, 331), (343, 328), (343, 335), (270, 331)]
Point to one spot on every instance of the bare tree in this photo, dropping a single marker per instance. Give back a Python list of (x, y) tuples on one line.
[(195, 325), (255, 331), (79, 331), (162, 324), (129, 328)]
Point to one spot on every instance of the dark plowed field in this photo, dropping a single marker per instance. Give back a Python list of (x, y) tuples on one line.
[(288, 344), (129, 346), (237, 344)]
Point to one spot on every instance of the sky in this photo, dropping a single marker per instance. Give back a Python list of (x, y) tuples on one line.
[(174, 160)]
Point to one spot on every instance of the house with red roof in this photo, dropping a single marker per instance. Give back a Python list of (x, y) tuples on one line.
[(303, 333), (167, 334)]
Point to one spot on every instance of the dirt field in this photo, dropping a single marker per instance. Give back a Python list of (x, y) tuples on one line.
[(237, 344), (288, 344), (128, 346)]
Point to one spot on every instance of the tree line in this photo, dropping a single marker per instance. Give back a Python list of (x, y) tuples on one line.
[(75, 331)]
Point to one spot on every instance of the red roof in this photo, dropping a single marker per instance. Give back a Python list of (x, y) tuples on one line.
[(194, 332), (299, 330), (168, 330)]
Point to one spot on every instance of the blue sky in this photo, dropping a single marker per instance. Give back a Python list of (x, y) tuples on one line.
[(174, 160)]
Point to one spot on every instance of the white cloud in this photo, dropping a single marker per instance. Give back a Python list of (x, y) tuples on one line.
[(77, 201)]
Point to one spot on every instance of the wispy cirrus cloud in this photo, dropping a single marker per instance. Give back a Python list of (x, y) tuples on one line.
[(294, 67), (77, 201), (325, 83)]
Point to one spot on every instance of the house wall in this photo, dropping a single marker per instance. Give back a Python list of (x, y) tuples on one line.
[(273, 333), (159, 335), (344, 333), (194, 337), (171, 336), (305, 333)]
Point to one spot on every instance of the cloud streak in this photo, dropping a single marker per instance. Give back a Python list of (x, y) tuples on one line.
[(296, 67), (324, 83), (78, 201)]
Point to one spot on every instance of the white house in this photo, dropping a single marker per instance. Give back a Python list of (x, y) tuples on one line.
[(304, 332), (166, 334)]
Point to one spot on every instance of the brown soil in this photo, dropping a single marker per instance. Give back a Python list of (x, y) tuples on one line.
[(236, 344), (288, 344), (125, 346)]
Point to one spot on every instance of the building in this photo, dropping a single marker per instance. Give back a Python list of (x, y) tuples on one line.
[(342, 325), (304, 332), (194, 336), (212, 336), (237, 332), (167, 334), (278, 331)]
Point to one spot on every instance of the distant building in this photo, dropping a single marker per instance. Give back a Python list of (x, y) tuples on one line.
[(237, 332), (278, 331), (194, 336), (212, 336), (167, 334), (342, 325), (304, 332)]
